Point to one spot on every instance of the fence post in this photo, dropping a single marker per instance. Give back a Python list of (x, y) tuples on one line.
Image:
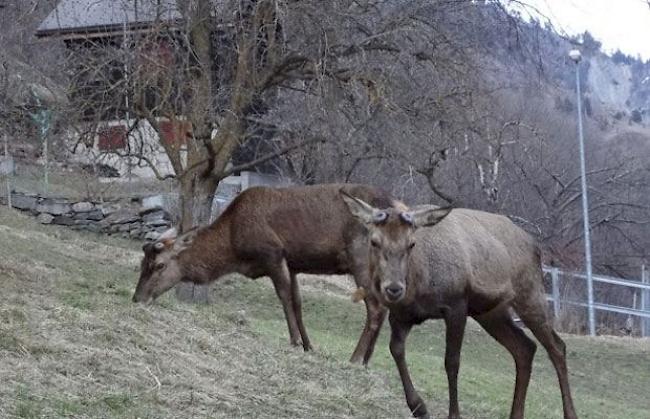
[(555, 283), (645, 303)]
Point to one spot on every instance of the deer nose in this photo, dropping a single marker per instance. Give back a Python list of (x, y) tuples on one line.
[(394, 291)]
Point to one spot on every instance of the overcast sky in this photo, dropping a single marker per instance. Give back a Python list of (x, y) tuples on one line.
[(622, 24)]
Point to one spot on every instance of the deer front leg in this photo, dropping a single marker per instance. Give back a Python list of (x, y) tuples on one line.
[(399, 332), (455, 320), (375, 315), (296, 299), (282, 283), (375, 312)]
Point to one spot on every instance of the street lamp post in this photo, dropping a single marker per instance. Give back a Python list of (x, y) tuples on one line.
[(576, 56)]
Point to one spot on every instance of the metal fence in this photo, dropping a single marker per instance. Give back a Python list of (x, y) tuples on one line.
[(640, 288)]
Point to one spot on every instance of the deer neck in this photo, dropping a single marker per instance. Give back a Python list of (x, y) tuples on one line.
[(210, 258)]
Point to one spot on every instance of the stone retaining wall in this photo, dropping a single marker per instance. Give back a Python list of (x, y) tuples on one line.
[(141, 219)]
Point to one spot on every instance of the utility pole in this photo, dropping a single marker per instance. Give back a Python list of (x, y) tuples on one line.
[(576, 57)]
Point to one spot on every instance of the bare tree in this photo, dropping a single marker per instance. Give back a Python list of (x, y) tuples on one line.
[(431, 98), (202, 78)]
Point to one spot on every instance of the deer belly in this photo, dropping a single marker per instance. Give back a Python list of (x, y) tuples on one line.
[(326, 263), (479, 303)]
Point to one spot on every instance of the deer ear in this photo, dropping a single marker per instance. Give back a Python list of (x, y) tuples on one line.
[(185, 240), (189, 236), (170, 234), (425, 217), (361, 210)]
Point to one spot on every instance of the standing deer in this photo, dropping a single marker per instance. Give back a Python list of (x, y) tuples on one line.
[(471, 264), (276, 233)]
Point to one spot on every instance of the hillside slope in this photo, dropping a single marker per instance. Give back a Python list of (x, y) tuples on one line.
[(73, 345)]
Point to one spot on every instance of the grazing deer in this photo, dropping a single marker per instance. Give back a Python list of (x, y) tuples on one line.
[(276, 233), (465, 263)]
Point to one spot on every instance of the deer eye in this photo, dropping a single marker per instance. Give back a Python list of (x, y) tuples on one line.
[(375, 243), (411, 246), (159, 266)]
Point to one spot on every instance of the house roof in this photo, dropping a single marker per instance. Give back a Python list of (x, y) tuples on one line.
[(84, 17)]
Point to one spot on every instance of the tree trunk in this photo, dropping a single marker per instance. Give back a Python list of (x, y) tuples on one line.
[(197, 188), (196, 197)]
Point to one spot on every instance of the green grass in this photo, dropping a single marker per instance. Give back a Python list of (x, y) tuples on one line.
[(73, 345), (607, 374), (27, 406)]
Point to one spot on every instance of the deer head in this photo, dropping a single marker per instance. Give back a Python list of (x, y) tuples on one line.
[(160, 269), (391, 241)]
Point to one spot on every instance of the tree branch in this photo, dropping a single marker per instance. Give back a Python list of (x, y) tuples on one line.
[(260, 160)]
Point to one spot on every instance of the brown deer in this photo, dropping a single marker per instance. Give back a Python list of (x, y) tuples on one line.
[(276, 233), (465, 263)]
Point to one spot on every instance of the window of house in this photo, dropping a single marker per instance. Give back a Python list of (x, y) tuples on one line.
[(112, 138), (175, 132)]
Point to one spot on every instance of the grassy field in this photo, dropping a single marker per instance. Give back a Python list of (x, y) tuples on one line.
[(77, 184), (73, 345)]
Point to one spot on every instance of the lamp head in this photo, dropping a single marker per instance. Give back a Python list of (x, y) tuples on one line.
[(575, 55)]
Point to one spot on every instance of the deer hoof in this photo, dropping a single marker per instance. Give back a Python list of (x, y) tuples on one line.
[(420, 412)]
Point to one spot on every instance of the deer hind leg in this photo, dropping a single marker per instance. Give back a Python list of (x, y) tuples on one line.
[(455, 321), (556, 349), (282, 283), (533, 311), (502, 328), (296, 300)]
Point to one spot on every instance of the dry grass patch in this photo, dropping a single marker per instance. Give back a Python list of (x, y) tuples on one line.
[(73, 345)]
